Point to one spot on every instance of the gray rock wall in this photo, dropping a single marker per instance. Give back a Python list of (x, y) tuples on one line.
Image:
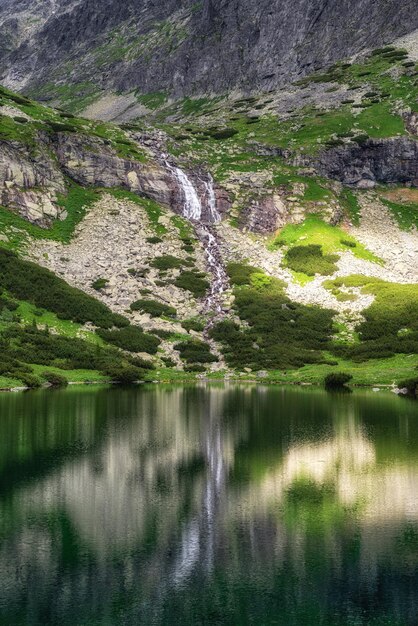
[(185, 47)]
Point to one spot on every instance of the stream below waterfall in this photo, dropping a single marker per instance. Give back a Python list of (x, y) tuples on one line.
[(206, 233)]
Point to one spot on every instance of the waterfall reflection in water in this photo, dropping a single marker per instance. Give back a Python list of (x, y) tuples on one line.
[(166, 505)]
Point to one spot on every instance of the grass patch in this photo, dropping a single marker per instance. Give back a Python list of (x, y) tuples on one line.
[(314, 231), (391, 322), (406, 215)]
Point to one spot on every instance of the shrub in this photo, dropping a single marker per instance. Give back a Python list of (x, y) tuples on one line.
[(142, 363), (193, 324), (154, 240), (153, 308), (168, 362), (59, 127), (126, 375), (195, 368), (310, 260), (20, 120), (411, 385), (361, 139), (29, 380), (195, 352), (223, 133), (100, 283), (167, 262), (55, 380), (390, 324), (193, 281), (337, 380), (240, 274), (37, 285), (131, 338), (348, 243), (278, 333)]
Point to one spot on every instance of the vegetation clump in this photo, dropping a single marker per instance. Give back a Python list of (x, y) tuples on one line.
[(196, 325), (337, 380), (193, 281), (310, 260), (27, 281), (54, 379), (167, 262), (411, 386), (100, 284), (391, 323), (278, 333), (195, 352), (131, 338), (153, 308)]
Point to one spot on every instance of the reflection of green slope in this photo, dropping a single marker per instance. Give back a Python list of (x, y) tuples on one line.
[(315, 508), (38, 432)]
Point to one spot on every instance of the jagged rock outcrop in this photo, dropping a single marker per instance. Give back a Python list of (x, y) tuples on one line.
[(31, 180), (265, 215), (186, 47), (393, 160)]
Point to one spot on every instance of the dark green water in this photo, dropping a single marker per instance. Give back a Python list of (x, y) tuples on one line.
[(208, 505)]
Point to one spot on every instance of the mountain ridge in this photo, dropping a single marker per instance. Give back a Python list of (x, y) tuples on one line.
[(186, 48)]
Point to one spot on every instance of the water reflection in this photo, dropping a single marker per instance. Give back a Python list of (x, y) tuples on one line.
[(214, 505)]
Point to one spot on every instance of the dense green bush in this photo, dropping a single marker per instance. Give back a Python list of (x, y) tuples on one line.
[(20, 346), (154, 240), (168, 362), (239, 274), (390, 324), (279, 333), (100, 283), (411, 385), (154, 308), (126, 375), (167, 262), (195, 352), (59, 127), (195, 368), (193, 324), (348, 243), (193, 281), (310, 260), (131, 338), (8, 303), (337, 380), (222, 133), (142, 364), (55, 380), (35, 284)]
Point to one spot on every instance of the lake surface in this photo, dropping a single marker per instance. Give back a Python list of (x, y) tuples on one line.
[(208, 505)]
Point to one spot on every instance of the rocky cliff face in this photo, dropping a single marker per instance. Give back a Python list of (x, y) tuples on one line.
[(185, 47), (393, 160)]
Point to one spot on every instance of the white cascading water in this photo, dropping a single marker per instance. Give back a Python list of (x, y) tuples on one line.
[(213, 211), (192, 205), (192, 210)]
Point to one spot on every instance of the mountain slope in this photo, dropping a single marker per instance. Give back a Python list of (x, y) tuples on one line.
[(325, 279), (58, 49)]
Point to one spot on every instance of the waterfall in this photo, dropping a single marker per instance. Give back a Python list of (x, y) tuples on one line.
[(213, 211), (192, 210), (192, 204)]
